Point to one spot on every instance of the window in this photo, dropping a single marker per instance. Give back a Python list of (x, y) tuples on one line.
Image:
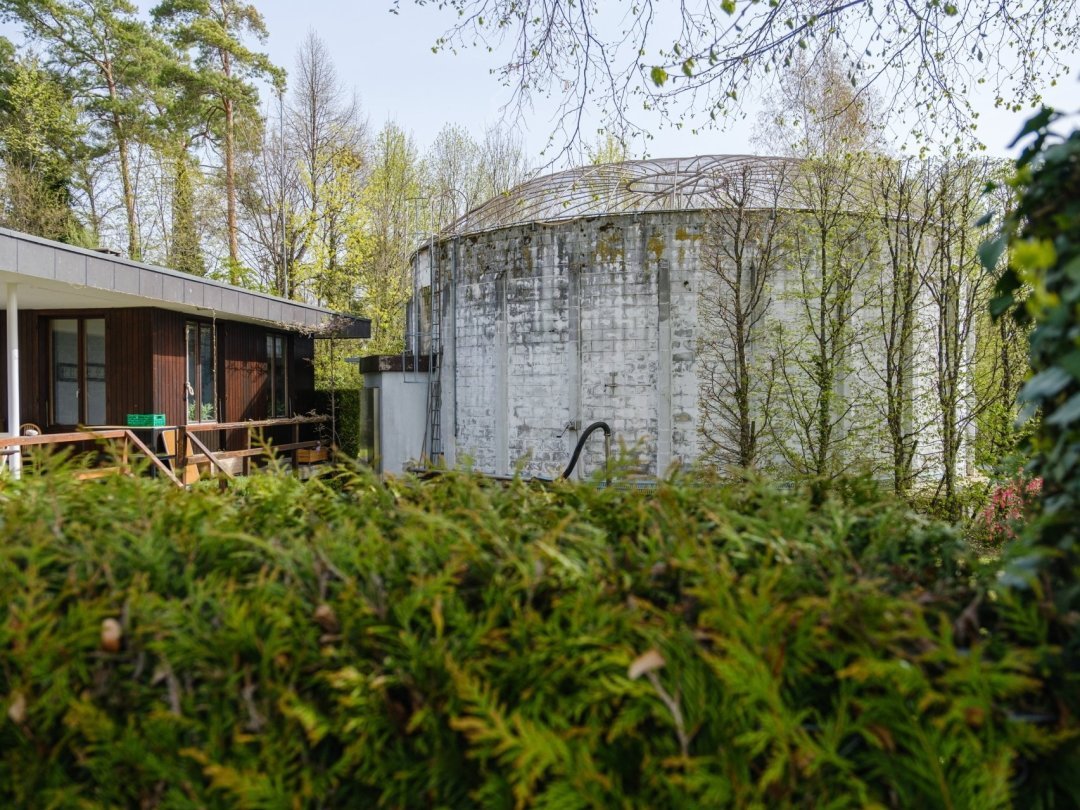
[(277, 378), (77, 373), (370, 415), (201, 373)]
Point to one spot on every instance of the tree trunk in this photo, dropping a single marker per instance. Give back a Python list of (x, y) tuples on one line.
[(230, 175), (134, 251), (184, 252), (230, 195), (824, 366)]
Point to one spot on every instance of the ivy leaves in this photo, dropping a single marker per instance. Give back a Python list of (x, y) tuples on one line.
[(1041, 285)]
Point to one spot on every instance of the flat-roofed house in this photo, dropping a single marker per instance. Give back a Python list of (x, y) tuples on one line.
[(89, 339)]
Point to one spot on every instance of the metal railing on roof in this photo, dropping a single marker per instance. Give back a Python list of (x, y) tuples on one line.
[(636, 186)]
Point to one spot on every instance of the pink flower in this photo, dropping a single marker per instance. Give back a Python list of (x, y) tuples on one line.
[(1007, 504)]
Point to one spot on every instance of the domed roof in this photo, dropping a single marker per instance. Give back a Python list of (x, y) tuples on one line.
[(637, 186)]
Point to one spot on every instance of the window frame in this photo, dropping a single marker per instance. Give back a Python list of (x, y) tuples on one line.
[(82, 377), (196, 386), (273, 340)]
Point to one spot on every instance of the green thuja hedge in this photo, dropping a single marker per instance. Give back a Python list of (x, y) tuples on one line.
[(340, 643)]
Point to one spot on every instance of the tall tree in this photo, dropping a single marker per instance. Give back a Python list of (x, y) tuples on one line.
[(818, 118), (1001, 357), (327, 135), (694, 61), (380, 249), (113, 61), (183, 123), (960, 292), (40, 149), (184, 246), (330, 274), (455, 174), (902, 195), (463, 173), (272, 226), (742, 249), (503, 161), (213, 31), (832, 252)]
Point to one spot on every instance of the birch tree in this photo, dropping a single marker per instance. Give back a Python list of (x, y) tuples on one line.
[(960, 291), (742, 249), (903, 201)]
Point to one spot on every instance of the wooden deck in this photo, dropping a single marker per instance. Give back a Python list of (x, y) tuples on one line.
[(186, 455)]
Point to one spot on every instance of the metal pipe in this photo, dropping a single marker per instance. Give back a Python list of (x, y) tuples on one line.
[(14, 418)]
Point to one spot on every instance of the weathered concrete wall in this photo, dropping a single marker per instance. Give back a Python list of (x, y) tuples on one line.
[(548, 328)]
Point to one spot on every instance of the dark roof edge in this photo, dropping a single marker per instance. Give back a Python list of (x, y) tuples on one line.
[(379, 363), (318, 318)]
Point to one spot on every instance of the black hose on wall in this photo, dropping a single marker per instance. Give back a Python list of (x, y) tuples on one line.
[(595, 426)]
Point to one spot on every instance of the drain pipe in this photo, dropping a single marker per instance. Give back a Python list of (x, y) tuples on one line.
[(13, 376)]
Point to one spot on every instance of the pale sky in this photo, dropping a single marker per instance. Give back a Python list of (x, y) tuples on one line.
[(388, 59)]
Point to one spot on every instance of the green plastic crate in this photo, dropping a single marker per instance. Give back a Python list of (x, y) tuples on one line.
[(145, 420)]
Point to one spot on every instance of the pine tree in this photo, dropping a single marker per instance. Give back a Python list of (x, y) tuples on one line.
[(213, 32), (113, 61)]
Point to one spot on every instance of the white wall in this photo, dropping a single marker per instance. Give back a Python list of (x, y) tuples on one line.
[(402, 416)]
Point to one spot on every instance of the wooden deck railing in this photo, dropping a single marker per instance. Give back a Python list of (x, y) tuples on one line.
[(11, 444), (190, 454), (192, 434)]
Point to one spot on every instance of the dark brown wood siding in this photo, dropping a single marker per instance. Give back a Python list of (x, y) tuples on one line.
[(146, 366), (302, 375), (129, 369), (127, 362), (170, 366), (242, 358)]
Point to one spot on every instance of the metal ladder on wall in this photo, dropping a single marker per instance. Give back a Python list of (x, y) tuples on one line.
[(435, 448)]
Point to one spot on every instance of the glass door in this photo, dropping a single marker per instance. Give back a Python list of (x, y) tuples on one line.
[(276, 376), (201, 372), (77, 371)]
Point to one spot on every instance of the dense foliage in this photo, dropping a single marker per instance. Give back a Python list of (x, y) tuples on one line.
[(1042, 237), (345, 643), (145, 128)]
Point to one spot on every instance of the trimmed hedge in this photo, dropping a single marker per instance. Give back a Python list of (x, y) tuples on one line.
[(345, 643)]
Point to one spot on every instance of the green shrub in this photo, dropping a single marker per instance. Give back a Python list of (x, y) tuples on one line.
[(1040, 288), (344, 643), (347, 406)]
